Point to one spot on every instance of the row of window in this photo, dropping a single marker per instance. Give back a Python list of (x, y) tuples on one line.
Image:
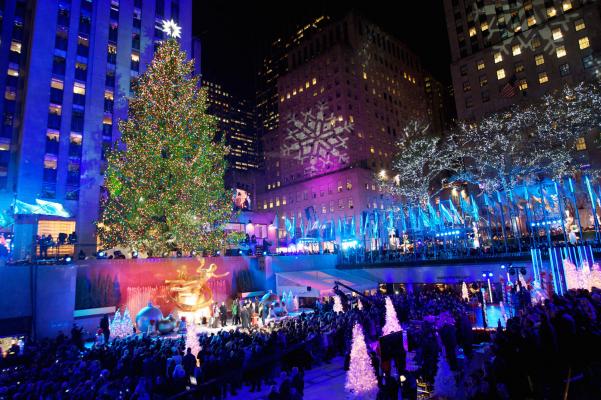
[(522, 84)]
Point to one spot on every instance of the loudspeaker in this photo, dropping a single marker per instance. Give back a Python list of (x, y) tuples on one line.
[(308, 288)]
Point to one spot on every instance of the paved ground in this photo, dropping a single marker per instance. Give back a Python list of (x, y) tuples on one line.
[(323, 382)]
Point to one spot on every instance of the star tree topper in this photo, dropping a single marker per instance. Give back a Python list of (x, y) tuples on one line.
[(172, 29)]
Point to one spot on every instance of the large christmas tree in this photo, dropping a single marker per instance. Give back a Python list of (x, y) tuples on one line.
[(165, 175)]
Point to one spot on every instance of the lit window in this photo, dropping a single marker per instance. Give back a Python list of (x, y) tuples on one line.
[(10, 94), (349, 185), (535, 43), (557, 34), (498, 57), (49, 162), (523, 84), (583, 43), (15, 46), (79, 88), (543, 78), (579, 25), (371, 150), (539, 59), (282, 99), (12, 72), (314, 81), (287, 95), (55, 109), (307, 84), (500, 74), (516, 50), (135, 57), (483, 81), (108, 95), (364, 75), (484, 26), (580, 144), (551, 12), (567, 5), (560, 51), (531, 21), (56, 84), (480, 65), (472, 31), (294, 92), (519, 67)]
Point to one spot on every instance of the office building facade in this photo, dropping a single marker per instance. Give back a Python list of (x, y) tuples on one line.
[(508, 51), (349, 90)]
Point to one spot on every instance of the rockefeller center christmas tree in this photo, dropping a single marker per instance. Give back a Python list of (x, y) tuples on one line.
[(165, 175)]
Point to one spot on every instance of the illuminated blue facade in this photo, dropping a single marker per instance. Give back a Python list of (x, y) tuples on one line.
[(70, 66)]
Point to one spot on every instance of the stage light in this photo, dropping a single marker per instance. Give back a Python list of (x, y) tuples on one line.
[(68, 259), (502, 267), (484, 275), (100, 254), (239, 252), (490, 274), (264, 253), (218, 252)]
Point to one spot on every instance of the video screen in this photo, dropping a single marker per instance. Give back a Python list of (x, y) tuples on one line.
[(242, 200)]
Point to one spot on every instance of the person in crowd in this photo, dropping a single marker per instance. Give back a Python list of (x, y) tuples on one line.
[(223, 314), (105, 326)]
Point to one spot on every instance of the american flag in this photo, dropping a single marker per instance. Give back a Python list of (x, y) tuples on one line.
[(509, 89)]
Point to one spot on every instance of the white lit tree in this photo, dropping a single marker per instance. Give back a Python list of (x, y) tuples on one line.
[(361, 380), (421, 159), (392, 322), (445, 386), (337, 304), (464, 292)]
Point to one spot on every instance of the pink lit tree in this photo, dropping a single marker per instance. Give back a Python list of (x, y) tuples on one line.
[(337, 304), (361, 379), (392, 322)]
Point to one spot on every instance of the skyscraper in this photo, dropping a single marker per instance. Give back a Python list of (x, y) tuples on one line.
[(235, 120), (274, 65), (348, 91), (505, 51), (70, 65)]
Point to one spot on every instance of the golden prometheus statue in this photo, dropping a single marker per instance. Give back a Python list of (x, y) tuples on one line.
[(191, 292)]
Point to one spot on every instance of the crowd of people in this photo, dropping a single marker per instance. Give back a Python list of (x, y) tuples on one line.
[(543, 349)]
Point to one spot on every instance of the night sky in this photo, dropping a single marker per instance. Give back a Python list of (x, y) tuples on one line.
[(235, 34)]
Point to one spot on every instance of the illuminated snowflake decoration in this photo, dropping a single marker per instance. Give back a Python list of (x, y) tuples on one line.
[(317, 139), (171, 28)]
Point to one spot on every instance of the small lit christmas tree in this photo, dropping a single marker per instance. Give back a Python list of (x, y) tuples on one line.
[(295, 303), (464, 293), (392, 322), (337, 304), (126, 322), (114, 324), (444, 382), (361, 380)]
